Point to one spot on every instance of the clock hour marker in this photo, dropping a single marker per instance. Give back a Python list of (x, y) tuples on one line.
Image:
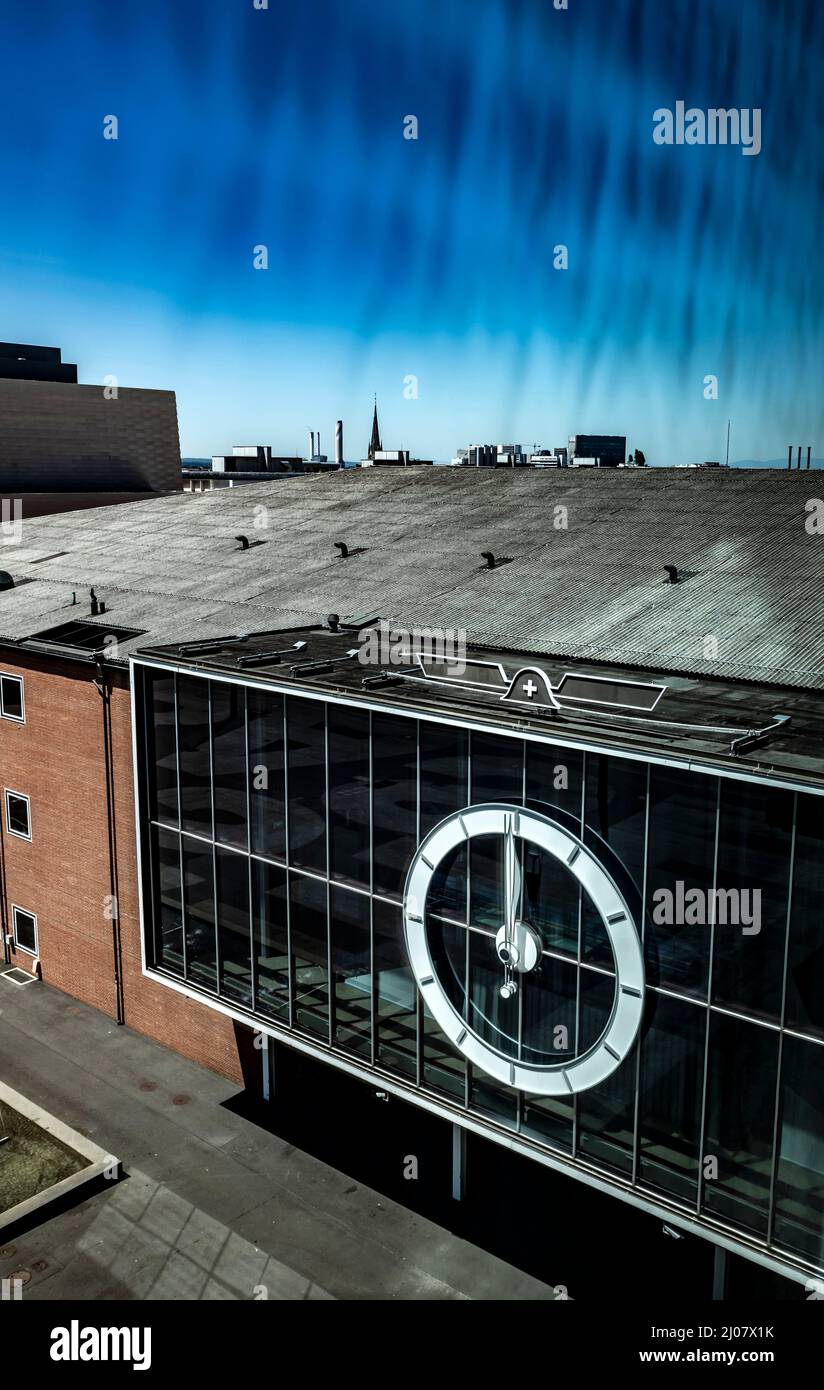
[(427, 980), (573, 856), (617, 917), (628, 989), (426, 862), (612, 1052)]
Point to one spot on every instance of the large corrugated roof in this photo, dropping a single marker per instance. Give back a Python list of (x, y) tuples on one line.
[(593, 588)]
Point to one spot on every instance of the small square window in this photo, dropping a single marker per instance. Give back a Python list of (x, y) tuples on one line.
[(11, 698), (18, 817), (25, 930)]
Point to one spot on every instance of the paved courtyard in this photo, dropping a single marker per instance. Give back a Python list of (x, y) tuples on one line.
[(214, 1207)]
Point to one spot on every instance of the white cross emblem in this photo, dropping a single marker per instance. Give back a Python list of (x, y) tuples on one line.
[(530, 688)]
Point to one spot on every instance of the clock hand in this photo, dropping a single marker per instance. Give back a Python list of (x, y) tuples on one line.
[(512, 882), (506, 945)]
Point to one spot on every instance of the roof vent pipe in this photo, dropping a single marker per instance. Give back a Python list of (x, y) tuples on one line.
[(94, 606), (244, 542), (333, 622), (343, 548), (672, 574), (490, 559)]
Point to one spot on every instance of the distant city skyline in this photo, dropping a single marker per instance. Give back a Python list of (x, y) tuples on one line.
[(429, 258)]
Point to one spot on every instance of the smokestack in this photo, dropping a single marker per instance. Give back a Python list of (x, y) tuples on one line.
[(799, 457), (809, 447), (311, 444), (790, 456), (339, 443), (318, 443)]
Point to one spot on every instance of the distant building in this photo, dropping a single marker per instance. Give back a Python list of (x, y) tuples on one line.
[(597, 450), (25, 362), (546, 458), (491, 456), (377, 455), (375, 445), (64, 445), (250, 463)]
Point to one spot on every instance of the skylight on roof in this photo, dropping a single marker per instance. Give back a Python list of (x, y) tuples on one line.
[(86, 637)]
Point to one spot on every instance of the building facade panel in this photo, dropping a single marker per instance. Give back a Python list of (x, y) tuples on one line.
[(59, 436), (277, 834)]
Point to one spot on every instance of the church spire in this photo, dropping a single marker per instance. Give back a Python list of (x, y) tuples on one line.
[(375, 445)]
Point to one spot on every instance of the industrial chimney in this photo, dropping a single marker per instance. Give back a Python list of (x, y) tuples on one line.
[(311, 444), (339, 443)]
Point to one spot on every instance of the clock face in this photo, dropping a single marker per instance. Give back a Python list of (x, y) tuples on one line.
[(492, 963)]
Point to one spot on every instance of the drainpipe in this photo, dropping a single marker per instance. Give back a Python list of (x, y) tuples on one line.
[(4, 927), (117, 948)]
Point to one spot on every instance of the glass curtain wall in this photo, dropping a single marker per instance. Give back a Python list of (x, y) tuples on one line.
[(276, 833)]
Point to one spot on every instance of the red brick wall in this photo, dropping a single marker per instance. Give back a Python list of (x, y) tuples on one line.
[(62, 876)]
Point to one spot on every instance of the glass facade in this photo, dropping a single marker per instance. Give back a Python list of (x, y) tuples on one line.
[(276, 833)]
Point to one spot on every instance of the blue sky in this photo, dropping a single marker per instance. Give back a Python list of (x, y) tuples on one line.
[(431, 257)]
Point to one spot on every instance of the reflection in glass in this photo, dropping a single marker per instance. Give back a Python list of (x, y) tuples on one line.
[(448, 948), (447, 896), (486, 858), (267, 795), (606, 1113), (554, 775), (444, 772), (494, 1019), (681, 859), (349, 794), (805, 967), (799, 1216), (396, 1019), (229, 763), (168, 920), (270, 940), (740, 1110), (551, 900), (487, 1097), (351, 953), (444, 1069), (548, 1009), (199, 899), (394, 800), (306, 734), (161, 747), (615, 815), (310, 945), (669, 1106), (754, 862), (497, 774), (195, 769), (233, 926)]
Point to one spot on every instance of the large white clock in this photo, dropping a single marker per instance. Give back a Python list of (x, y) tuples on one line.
[(517, 945)]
